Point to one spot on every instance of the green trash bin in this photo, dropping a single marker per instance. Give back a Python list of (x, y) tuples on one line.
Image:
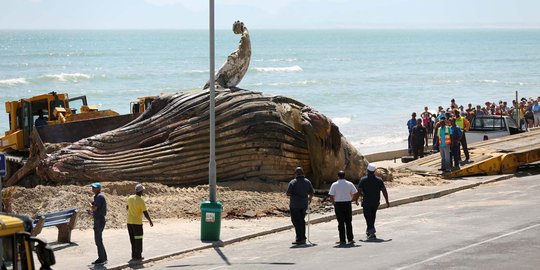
[(210, 220)]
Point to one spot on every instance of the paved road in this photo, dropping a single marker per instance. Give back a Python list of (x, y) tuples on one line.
[(495, 226)]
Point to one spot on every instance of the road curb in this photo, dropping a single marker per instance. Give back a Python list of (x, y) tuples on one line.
[(326, 218)]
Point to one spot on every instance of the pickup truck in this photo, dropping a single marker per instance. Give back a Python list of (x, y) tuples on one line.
[(485, 127)]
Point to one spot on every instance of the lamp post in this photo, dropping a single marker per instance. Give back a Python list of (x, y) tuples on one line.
[(212, 162), (211, 210)]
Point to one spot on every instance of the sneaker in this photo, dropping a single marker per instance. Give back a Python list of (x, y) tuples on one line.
[(341, 243), (299, 242), (351, 242), (372, 236)]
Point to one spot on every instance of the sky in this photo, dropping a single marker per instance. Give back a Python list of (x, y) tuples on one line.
[(268, 14)]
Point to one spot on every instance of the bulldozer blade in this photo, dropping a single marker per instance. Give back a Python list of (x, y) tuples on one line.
[(75, 131)]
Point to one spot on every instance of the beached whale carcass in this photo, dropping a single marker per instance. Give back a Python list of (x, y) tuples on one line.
[(257, 137)]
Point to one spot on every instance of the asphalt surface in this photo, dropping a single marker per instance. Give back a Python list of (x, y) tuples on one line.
[(492, 226)]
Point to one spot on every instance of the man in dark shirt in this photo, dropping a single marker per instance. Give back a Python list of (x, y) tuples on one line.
[(300, 192), (419, 136), (41, 120), (98, 209), (369, 188)]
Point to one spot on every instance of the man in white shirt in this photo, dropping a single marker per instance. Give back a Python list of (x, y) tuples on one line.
[(342, 193)]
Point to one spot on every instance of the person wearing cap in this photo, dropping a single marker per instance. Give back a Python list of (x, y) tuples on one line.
[(441, 122), (136, 209), (369, 189), (98, 209), (342, 193), (444, 134), (300, 192)]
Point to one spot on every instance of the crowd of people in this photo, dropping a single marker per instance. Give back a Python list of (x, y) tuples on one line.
[(448, 127)]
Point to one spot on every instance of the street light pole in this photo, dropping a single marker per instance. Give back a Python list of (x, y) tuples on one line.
[(212, 162)]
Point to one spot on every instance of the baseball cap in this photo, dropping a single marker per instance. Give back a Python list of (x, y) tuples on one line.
[(139, 188), (96, 185), (371, 167)]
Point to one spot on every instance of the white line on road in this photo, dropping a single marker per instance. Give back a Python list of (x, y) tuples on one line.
[(219, 267), (467, 247)]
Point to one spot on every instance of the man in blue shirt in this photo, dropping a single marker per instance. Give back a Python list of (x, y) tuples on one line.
[(98, 209), (410, 124), (536, 112), (455, 135)]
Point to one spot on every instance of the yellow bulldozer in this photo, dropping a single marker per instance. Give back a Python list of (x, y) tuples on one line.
[(49, 118), (17, 245)]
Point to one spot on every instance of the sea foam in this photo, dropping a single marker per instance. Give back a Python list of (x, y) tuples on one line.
[(279, 69), (196, 71), (380, 140)]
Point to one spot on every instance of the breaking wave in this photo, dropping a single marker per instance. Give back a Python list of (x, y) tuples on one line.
[(295, 83), (489, 81), (13, 82), (67, 77), (339, 121)]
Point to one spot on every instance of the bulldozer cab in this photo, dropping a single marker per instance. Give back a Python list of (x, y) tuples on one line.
[(142, 104), (17, 245), (44, 110), (25, 114)]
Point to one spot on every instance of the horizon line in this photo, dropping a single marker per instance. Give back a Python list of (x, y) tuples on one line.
[(287, 29)]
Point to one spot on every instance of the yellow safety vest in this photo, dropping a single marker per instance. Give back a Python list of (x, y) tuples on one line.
[(459, 123)]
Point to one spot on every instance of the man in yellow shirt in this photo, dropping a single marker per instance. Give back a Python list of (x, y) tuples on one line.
[(136, 208)]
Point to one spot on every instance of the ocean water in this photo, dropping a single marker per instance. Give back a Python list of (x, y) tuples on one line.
[(367, 81)]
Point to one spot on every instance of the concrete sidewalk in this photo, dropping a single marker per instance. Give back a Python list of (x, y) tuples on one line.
[(177, 236)]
